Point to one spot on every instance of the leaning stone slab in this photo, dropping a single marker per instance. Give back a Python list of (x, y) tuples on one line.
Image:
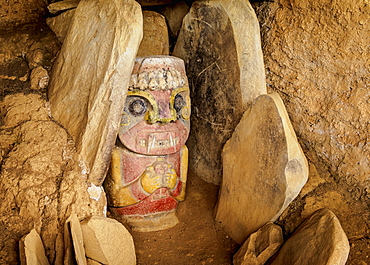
[(264, 169), (77, 239), (91, 75), (320, 240), (107, 241), (32, 250), (260, 246), (220, 43), (155, 35)]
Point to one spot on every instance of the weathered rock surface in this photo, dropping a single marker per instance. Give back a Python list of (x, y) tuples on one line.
[(90, 77), (322, 72), (61, 23), (174, 15), (39, 78), (32, 250), (60, 6), (320, 240), (264, 169), (107, 241), (16, 12), (260, 246), (155, 35), (220, 44), (154, 2), (40, 185)]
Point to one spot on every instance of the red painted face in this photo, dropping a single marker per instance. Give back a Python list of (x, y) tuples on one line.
[(155, 122), (156, 116)]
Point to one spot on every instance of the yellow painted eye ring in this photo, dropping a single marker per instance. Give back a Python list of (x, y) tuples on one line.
[(185, 112)]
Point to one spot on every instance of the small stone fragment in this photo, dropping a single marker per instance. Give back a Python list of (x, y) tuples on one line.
[(107, 241), (78, 240), (60, 6), (320, 240), (39, 78), (60, 24), (155, 35), (32, 250), (260, 246), (264, 169)]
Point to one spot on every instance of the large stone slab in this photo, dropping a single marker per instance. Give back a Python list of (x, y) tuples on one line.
[(320, 240), (108, 241), (155, 35), (264, 169), (90, 77), (220, 44)]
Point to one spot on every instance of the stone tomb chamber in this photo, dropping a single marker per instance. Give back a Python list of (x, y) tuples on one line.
[(184, 132)]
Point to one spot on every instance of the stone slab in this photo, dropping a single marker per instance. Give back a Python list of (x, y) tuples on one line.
[(174, 15), (220, 44), (155, 35), (90, 77), (107, 241), (260, 246), (32, 250), (264, 169), (320, 240)]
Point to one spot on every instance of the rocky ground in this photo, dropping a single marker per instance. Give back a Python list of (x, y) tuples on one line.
[(197, 239)]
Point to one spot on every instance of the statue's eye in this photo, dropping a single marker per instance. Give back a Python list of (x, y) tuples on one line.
[(137, 107), (179, 102)]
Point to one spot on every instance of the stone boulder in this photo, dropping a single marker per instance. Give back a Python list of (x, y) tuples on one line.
[(90, 77), (320, 240), (264, 169), (220, 44), (155, 35), (107, 241), (260, 246)]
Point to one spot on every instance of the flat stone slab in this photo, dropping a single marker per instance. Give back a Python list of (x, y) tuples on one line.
[(32, 250), (220, 44), (320, 240), (264, 169), (90, 77), (108, 241)]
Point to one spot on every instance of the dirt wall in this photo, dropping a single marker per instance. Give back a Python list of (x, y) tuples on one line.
[(317, 57), (16, 12)]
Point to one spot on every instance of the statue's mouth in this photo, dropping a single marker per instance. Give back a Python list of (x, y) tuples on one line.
[(157, 140), (148, 139)]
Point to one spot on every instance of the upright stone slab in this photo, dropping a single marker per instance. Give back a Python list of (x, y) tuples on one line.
[(90, 77), (220, 44), (155, 35), (264, 169), (32, 250), (320, 240)]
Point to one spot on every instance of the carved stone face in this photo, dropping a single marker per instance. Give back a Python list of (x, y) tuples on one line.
[(156, 116)]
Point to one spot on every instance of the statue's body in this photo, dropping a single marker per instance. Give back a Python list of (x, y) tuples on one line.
[(149, 164)]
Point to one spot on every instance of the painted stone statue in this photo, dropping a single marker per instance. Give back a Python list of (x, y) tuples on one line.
[(150, 159)]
